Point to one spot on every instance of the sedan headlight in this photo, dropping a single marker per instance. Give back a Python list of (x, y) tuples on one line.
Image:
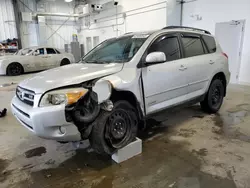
[(64, 96)]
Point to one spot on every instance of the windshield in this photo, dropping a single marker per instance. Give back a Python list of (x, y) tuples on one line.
[(115, 50), (24, 51)]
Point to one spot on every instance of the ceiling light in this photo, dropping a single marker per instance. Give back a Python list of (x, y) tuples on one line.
[(68, 1)]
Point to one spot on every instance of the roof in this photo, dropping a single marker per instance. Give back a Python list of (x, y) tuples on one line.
[(35, 47), (171, 28), (188, 28), (142, 32)]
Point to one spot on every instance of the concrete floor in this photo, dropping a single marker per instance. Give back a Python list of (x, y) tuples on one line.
[(185, 149)]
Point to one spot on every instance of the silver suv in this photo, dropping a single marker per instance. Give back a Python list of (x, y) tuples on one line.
[(121, 82)]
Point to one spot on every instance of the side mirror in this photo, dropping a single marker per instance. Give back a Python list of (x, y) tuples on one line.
[(155, 57), (36, 53)]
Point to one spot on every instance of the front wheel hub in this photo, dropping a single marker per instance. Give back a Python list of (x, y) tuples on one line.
[(119, 128), (216, 95)]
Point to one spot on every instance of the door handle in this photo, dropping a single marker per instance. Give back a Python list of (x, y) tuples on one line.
[(182, 68), (211, 62)]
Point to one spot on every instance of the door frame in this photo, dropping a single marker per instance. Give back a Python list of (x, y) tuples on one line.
[(241, 45)]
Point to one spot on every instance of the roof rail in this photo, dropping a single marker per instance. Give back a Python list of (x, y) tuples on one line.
[(191, 28)]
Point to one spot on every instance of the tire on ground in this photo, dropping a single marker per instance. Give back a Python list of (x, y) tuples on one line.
[(65, 61), (207, 104), (14, 69), (100, 138)]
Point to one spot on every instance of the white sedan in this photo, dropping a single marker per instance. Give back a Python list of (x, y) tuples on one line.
[(34, 59)]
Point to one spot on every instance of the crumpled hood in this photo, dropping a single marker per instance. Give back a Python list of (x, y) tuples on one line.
[(68, 75)]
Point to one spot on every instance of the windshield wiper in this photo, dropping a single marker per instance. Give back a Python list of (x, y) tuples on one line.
[(94, 62)]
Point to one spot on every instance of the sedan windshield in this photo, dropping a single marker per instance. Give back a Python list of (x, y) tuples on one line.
[(24, 51), (115, 50)]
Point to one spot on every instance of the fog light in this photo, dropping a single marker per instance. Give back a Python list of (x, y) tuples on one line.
[(62, 130)]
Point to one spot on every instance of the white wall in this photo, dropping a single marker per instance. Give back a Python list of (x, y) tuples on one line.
[(7, 20), (155, 19), (28, 30), (213, 11), (64, 26), (33, 35)]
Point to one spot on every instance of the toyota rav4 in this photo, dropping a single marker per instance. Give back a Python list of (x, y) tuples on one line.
[(120, 83)]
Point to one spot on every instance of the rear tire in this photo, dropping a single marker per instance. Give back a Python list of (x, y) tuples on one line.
[(214, 97), (14, 69), (65, 62), (114, 130)]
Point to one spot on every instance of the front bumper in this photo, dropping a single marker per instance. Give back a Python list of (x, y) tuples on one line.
[(2, 70), (45, 122)]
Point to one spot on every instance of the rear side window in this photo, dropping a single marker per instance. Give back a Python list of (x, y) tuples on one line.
[(210, 43), (50, 51), (167, 45), (192, 46)]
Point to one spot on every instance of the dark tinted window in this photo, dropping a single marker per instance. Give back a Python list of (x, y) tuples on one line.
[(210, 43), (168, 45), (50, 51), (41, 51), (192, 46)]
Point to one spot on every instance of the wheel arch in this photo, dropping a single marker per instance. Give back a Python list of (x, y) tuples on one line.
[(221, 76), (129, 96), (65, 58), (12, 63)]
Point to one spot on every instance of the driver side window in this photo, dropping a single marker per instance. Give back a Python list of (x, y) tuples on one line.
[(168, 45), (40, 51)]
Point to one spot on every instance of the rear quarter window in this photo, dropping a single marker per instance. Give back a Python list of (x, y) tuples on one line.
[(210, 43)]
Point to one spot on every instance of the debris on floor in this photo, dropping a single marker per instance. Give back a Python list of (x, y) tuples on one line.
[(35, 152), (3, 112), (6, 85)]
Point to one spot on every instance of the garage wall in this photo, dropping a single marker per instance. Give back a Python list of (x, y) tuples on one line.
[(150, 18), (55, 31), (59, 30), (7, 20), (213, 11), (28, 30)]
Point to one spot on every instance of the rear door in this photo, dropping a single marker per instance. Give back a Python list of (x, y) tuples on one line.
[(199, 67), (52, 58)]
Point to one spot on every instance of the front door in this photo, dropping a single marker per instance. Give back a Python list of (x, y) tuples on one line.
[(165, 83), (38, 58), (230, 37)]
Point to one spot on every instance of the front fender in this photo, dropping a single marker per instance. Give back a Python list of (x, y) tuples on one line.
[(103, 89), (3, 67)]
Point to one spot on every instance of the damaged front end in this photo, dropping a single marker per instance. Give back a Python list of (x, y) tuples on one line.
[(84, 112)]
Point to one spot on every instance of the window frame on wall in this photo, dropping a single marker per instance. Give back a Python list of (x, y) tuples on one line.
[(89, 44)]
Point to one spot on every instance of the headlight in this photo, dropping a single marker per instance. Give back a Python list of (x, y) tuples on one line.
[(64, 96)]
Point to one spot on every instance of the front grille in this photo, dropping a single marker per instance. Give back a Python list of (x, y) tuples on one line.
[(25, 95)]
